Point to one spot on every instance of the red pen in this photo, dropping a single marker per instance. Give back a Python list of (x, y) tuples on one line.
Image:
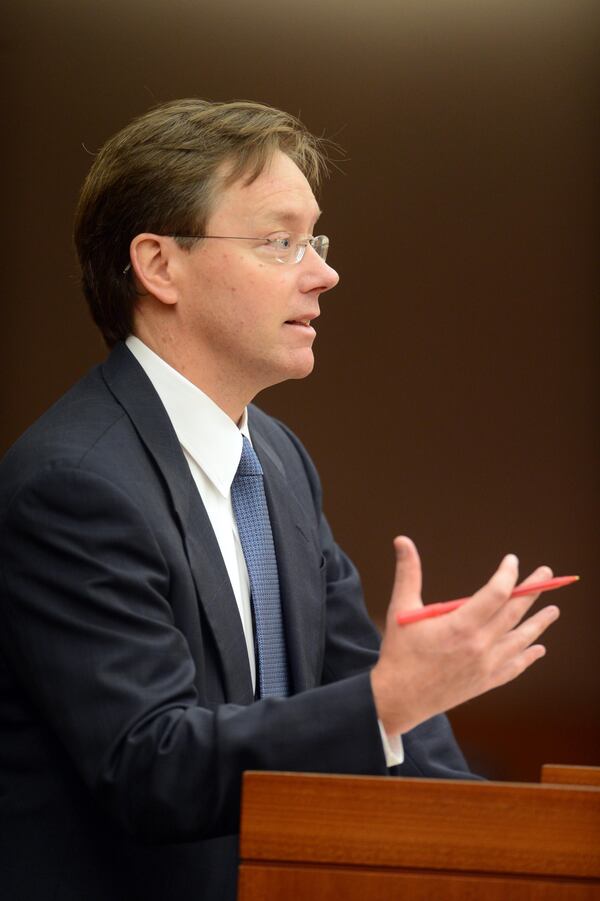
[(442, 607)]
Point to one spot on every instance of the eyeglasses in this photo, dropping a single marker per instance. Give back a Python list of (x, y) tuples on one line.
[(281, 250)]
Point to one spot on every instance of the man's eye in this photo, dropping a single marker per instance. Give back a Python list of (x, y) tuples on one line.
[(283, 243)]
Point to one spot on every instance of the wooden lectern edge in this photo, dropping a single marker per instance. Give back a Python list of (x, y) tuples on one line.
[(525, 828), (570, 774), (548, 784), (474, 783)]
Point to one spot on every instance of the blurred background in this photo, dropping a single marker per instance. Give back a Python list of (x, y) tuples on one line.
[(456, 387)]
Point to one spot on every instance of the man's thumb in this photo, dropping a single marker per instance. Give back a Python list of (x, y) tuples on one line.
[(406, 593)]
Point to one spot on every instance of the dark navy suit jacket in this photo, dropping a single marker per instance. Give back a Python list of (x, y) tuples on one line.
[(126, 708)]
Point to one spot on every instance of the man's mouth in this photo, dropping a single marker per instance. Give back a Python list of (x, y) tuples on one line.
[(303, 322)]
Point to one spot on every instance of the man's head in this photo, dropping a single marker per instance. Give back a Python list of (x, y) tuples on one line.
[(163, 174)]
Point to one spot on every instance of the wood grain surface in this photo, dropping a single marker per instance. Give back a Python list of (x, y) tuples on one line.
[(521, 829), (296, 883), (558, 774)]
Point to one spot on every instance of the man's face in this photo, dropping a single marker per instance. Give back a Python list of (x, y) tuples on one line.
[(243, 313)]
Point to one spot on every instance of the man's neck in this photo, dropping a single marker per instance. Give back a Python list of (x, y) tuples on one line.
[(223, 391)]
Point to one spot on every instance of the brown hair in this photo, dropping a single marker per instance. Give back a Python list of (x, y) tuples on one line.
[(158, 174)]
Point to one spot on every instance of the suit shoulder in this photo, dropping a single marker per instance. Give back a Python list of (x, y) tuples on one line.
[(65, 433)]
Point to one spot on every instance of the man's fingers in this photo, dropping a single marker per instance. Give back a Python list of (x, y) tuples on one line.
[(406, 593), (529, 631), (486, 602), (519, 663), (514, 610), (541, 574), (519, 648)]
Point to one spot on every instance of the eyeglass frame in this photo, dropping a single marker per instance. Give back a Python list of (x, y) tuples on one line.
[(319, 243)]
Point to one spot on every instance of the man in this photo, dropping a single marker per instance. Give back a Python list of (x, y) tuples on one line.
[(175, 609)]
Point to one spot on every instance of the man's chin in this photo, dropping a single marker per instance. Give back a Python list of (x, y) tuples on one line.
[(297, 367), (303, 365)]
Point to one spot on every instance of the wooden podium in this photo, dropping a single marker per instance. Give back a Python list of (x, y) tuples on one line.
[(308, 837)]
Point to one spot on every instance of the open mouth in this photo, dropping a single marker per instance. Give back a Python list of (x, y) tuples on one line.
[(305, 323)]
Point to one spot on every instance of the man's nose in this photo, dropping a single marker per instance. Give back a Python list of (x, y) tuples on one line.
[(319, 275)]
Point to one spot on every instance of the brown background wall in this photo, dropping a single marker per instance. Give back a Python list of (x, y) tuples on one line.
[(454, 394)]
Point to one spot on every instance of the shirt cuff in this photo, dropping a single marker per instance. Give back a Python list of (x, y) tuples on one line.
[(392, 747)]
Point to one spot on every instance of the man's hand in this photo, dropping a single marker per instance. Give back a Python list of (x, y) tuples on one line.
[(430, 666)]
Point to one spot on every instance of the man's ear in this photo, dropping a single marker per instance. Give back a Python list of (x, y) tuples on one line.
[(152, 258)]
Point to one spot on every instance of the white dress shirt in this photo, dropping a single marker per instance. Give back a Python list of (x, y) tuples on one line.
[(212, 445)]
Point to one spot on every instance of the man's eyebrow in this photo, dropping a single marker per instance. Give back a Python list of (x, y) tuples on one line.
[(286, 215)]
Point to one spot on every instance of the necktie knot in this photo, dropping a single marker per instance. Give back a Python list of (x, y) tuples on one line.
[(249, 464)]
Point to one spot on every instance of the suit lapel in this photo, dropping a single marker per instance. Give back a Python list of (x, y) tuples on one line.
[(134, 391), (298, 561)]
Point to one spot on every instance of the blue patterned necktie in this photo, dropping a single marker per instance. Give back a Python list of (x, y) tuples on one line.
[(254, 527)]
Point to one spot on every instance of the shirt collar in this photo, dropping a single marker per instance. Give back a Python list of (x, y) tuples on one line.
[(206, 432)]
